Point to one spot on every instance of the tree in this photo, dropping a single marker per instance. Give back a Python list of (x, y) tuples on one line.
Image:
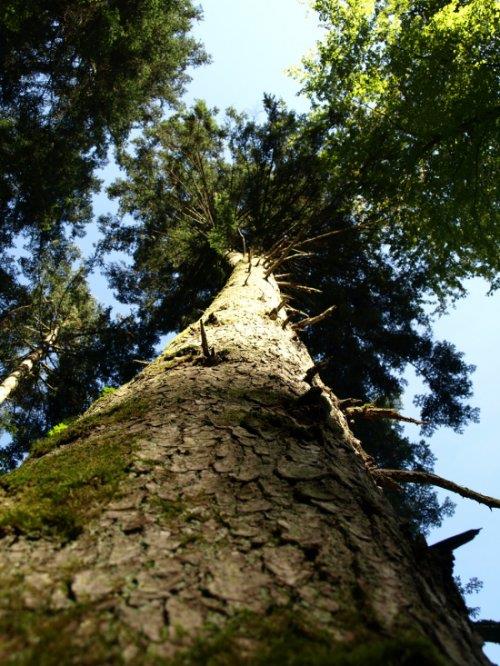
[(221, 494), (379, 325), (75, 76), (410, 93), (59, 349)]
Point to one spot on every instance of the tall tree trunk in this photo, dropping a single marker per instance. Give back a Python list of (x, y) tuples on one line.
[(25, 368), (219, 497)]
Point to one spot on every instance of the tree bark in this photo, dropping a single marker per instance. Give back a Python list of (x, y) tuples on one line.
[(245, 523), (11, 382)]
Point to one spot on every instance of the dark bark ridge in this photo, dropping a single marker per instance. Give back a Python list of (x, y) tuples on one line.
[(234, 494)]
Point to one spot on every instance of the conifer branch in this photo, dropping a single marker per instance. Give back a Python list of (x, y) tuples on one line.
[(426, 478), (370, 411), (311, 321)]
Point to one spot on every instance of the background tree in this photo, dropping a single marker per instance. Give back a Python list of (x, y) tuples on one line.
[(75, 76), (59, 349)]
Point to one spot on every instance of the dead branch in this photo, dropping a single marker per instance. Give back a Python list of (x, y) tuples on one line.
[(296, 311), (452, 543), (371, 412), (328, 234), (316, 369), (426, 478), (243, 241), (311, 321), (300, 287), (286, 257), (249, 269), (349, 402), (489, 630)]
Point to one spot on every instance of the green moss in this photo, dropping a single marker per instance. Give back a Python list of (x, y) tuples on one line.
[(55, 495), (58, 429), (42, 638), (83, 426), (283, 639)]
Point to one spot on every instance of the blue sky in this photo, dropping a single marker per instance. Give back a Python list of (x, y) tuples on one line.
[(252, 42)]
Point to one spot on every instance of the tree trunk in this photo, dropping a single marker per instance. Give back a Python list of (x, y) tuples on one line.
[(26, 366), (218, 506)]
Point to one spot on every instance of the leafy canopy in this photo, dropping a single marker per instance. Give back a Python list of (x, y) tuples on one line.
[(409, 90)]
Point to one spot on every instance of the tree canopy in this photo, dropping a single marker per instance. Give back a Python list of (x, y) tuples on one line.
[(409, 91), (73, 76)]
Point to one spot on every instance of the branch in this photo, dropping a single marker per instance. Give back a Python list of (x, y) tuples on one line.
[(426, 478), (454, 542), (243, 241), (335, 232), (349, 402), (311, 321), (371, 412), (286, 257), (489, 630)]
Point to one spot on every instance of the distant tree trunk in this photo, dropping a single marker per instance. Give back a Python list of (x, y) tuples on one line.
[(245, 518), (27, 365)]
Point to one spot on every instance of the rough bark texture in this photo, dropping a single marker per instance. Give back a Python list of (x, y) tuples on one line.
[(27, 365), (218, 492)]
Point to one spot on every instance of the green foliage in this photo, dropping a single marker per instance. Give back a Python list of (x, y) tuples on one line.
[(410, 93), (107, 390), (58, 429), (74, 75)]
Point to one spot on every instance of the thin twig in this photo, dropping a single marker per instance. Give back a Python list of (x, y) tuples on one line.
[(426, 478), (300, 287)]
